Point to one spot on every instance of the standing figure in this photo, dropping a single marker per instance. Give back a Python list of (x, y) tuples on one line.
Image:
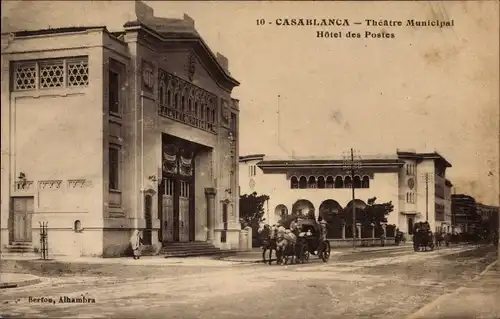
[(294, 227), (135, 243), (323, 232)]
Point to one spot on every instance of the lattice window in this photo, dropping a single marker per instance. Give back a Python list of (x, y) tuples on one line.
[(51, 74), (25, 76), (78, 73), (47, 74)]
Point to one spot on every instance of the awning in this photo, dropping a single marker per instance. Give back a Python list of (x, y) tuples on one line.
[(411, 213)]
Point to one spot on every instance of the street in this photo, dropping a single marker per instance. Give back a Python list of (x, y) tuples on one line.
[(382, 284)]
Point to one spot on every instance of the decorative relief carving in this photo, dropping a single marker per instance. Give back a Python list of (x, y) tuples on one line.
[(50, 184), (23, 185), (225, 113), (79, 183), (148, 78), (186, 103), (191, 66)]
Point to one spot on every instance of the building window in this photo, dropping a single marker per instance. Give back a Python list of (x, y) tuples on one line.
[(49, 74), (347, 182), (302, 182), (234, 127), (330, 183), (252, 170), (294, 182), (410, 198), (357, 182), (365, 182), (311, 183), (114, 167), (339, 182), (78, 73), (114, 92), (321, 182)]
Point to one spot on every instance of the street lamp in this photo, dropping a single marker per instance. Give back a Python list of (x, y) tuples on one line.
[(351, 166)]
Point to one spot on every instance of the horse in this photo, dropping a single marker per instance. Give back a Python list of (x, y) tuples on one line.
[(285, 245), (268, 235)]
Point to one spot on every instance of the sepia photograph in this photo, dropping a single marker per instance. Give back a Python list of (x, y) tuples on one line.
[(250, 159)]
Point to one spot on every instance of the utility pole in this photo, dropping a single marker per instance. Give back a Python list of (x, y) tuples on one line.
[(279, 120), (427, 179), (351, 166), (426, 197), (498, 235)]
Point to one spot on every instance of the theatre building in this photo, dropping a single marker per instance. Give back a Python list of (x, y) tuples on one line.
[(104, 133), (324, 187)]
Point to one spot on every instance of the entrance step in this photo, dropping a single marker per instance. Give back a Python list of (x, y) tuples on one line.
[(20, 248), (189, 249)]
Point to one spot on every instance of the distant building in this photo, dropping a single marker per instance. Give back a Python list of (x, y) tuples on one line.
[(323, 187), (104, 133), (464, 213), (489, 216)]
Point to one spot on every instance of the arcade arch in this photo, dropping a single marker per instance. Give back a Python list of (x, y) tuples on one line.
[(303, 207)]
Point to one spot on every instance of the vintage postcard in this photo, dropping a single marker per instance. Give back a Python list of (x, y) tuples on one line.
[(250, 159)]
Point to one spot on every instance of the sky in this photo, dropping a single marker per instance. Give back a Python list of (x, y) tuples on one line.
[(427, 89)]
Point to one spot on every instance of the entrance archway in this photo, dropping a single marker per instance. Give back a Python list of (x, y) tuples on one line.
[(358, 203), (280, 211), (331, 211), (303, 207), (329, 208)]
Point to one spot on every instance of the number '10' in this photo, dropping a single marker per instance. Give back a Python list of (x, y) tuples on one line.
[(261, 21)]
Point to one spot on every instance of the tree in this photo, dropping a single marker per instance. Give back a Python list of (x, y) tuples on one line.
[(252, 208), (375, 213)]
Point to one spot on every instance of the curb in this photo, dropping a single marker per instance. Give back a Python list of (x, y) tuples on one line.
[(5, 285), (338, 253), (420, 313)]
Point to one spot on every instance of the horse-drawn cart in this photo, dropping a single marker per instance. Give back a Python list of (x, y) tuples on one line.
[(299, 245), (422, 237), (311, 241)]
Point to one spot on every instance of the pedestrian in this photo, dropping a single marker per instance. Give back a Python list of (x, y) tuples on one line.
[(135, 243), (382, 240)]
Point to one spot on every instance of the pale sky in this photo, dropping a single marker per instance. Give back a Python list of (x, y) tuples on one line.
[(428, 89)]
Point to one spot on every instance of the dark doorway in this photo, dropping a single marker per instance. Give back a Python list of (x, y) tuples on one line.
[(148, 208), (410, 225), (177, 189)]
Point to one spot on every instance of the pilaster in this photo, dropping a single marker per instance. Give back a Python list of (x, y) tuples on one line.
[(210, 194)]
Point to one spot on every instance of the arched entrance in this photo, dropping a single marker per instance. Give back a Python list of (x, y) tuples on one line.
[(280, 211), (331, 211), (303, 207), (360, 206)]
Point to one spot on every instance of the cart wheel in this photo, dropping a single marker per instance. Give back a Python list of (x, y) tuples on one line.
[(325, 254)]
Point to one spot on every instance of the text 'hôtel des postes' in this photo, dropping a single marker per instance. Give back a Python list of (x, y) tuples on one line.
[(377, 28)]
